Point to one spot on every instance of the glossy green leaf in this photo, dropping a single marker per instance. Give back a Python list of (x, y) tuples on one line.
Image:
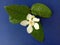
[(38, 34), (17, 12), (13, 21), (41, 10)]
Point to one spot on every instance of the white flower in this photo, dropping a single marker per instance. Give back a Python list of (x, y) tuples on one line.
[(31, 21)]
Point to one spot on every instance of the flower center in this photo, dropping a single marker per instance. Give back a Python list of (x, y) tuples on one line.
[(31, 23)]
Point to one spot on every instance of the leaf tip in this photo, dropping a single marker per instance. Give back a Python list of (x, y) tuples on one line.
[(5, 6)]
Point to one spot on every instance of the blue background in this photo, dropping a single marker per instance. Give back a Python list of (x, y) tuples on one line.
[(15, 34)]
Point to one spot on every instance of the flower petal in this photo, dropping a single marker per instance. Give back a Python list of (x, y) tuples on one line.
[(36, 19), (24, 23), (29, 29), (29, 17), (36, 26)]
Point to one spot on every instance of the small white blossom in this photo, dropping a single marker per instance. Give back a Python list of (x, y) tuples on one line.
[(31, 22)]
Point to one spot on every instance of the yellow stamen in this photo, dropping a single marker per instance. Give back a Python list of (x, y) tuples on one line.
[(31, 23)]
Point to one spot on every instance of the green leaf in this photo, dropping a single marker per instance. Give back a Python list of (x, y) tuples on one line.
[(17, 12), (41, 10), (13, 21), (38, 34)]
